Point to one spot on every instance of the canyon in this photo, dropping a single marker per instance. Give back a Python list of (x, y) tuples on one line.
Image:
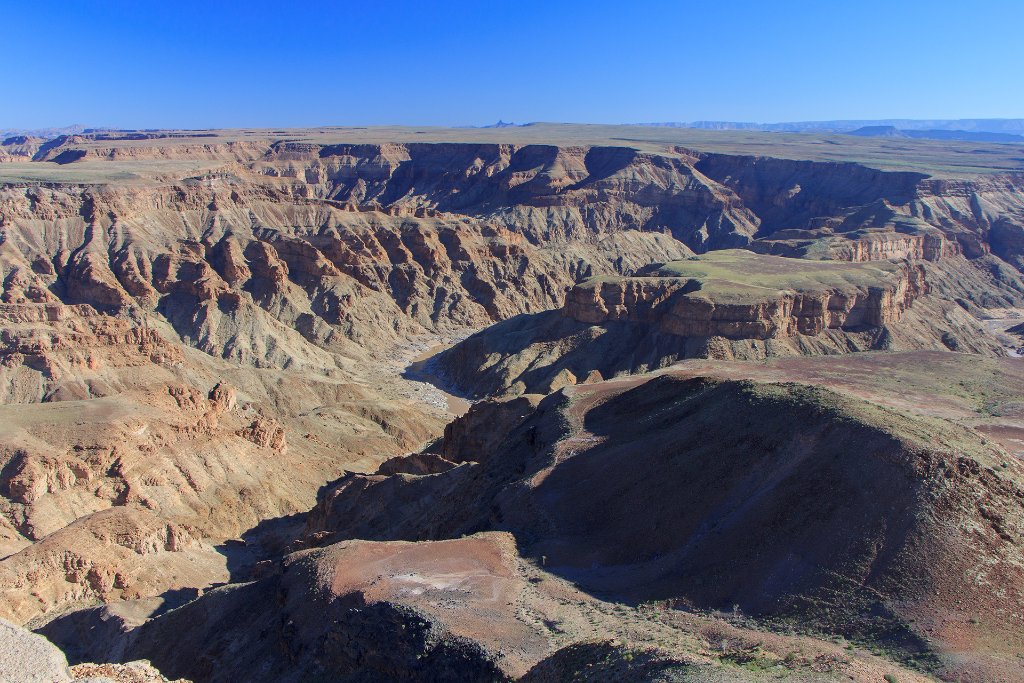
[(741, 409)]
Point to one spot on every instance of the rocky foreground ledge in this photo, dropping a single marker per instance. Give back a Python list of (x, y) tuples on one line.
[(29, 658)]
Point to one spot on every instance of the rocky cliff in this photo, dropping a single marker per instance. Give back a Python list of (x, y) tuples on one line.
[(705, 200), (360, 241), (19, 148), (725, 304), (644, 488), (198, 331), (686, 307), (812, 201)]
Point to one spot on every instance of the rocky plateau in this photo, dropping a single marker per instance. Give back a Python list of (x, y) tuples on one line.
[(735, 416)]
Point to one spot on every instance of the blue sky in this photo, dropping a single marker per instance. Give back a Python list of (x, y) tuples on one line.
[(217, 64)]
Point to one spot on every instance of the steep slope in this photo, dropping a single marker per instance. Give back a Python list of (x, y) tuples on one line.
[(19, 148), (848, 211), (466, 609), (112, 411), (200, 329), (725, 304), (700, 491)]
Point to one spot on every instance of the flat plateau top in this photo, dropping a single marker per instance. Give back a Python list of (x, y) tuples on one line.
[(948, 159), (741, 276)]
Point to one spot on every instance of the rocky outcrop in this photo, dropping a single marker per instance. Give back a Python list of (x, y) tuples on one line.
[(116, 554), (19, 148), (981, 208), (357, 610), (928, 247), (28, 658), (139, 671), (266, 433), (480, 430), (681, 307), (860, 246), (923, 509), (416, 463), (55, 352), (722, 305)]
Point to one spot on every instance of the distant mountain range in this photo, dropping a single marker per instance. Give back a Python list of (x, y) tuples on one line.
[(46, 133), (504, 124), (965, 135), (1011, 126), (968, 130)]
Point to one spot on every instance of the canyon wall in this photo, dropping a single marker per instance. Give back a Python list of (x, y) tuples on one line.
[(372, 243), (199, 333), (733, 305), (678, 307), (548, 192)]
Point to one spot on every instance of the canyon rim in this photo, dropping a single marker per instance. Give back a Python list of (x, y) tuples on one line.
[(303, 379)]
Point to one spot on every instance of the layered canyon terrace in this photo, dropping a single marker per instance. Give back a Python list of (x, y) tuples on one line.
[(530, 403), (932, 157)]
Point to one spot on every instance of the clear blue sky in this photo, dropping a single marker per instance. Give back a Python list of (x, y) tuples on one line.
[(180, 63)]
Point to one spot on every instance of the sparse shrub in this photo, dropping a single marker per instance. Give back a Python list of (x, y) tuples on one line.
[(890, 678)]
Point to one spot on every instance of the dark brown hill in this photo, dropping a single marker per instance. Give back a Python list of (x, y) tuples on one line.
[(702, 492)]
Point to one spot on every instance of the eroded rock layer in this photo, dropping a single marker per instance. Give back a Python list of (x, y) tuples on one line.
[(645, 489), (200, 330), (725, 304), (823, 297)]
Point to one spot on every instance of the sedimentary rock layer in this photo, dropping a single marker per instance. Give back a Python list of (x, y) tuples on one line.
[(643, 489), (688, 307)]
